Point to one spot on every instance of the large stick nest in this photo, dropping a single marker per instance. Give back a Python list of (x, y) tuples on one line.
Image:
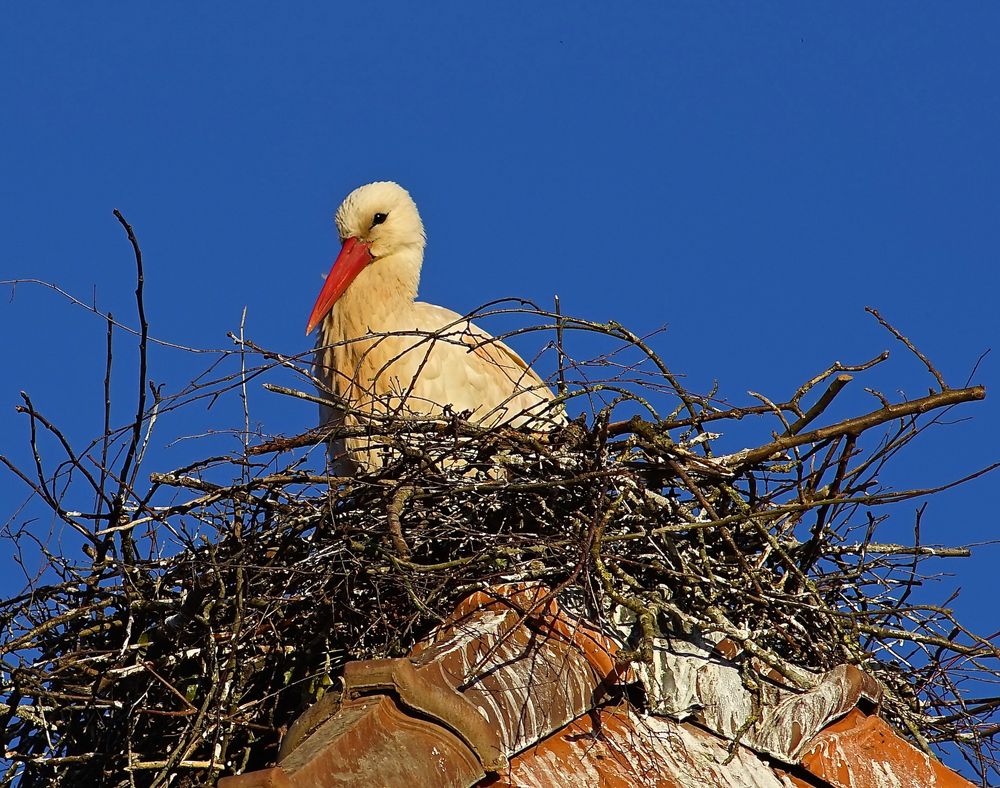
[(183, 622)]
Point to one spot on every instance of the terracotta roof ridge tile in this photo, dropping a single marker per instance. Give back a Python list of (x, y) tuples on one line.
[(863, 750), (507, 669), (431, 696), (513, 686)]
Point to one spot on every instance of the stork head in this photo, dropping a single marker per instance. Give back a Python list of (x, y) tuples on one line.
[(377, 222)]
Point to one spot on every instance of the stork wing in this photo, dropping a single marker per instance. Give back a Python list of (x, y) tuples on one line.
[(466, 368), (495, 352)]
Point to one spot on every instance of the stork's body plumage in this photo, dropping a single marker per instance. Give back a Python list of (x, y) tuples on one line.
[(381, 352)]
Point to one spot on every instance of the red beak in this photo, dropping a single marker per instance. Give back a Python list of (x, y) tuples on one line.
[(354, 256)]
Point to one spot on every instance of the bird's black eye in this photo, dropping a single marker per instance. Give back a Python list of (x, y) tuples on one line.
[(379, 218)]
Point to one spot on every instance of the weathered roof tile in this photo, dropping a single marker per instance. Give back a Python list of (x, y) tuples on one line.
[(370, 741), (506, 669), (521, 661), (511, 690), (697, 678), (617, 747), (860, 751)]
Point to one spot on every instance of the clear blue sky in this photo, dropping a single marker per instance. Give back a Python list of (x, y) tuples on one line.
[(751, 175)]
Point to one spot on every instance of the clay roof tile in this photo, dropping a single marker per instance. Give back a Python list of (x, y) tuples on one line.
[(512, 690)]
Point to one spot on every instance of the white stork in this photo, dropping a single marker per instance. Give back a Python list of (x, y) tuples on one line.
[(383, 353)]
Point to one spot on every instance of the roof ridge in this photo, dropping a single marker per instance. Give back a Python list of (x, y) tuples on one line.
[(514, 686)]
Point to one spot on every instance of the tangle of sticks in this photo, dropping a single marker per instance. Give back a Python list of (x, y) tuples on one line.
[(184, 618)]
